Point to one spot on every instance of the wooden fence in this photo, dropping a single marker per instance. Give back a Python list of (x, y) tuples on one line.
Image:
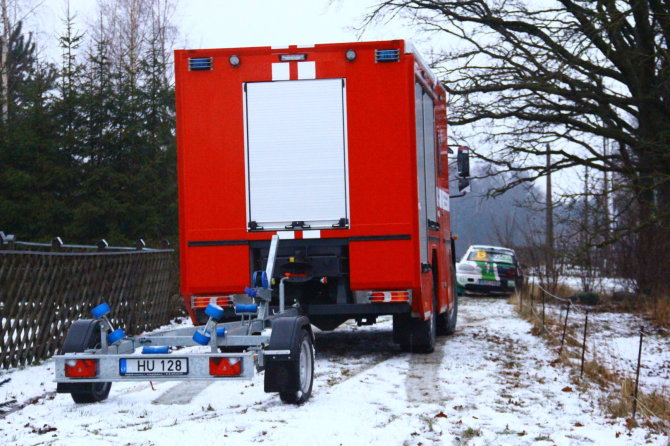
[(45, 287)]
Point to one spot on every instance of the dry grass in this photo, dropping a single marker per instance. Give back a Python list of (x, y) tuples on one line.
[(653, 408), (618, 400), (658, 310)]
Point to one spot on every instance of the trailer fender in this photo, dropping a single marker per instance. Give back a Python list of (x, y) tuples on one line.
[(281, 370)]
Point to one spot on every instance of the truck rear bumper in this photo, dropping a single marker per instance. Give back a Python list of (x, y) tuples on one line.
[(358, 309)]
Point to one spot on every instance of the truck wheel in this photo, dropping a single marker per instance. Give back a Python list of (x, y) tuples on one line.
[(446, 322), (305, 371), (82, 335), (416, 335), (450, 318)]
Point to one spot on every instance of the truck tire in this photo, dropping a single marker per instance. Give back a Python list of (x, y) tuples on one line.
[(416, 335), (446, 322), (449, 319), (84, 334), (304, 369)]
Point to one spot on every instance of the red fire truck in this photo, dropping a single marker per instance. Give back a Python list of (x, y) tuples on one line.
[(341, 151)]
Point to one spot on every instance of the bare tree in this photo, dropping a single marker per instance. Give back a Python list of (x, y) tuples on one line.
[(569, 73)]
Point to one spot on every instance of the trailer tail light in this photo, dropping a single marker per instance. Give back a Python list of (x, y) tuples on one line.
[(225, 366), (378, 297), (203, 301), (387, 55), (81, 368)]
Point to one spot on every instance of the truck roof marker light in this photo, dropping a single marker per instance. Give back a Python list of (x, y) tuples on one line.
[(234, 60), (387, 55), (200, 63), (81, 368), (378, 297), (225, 366), (292, 57), (350, 55), (201, 302)]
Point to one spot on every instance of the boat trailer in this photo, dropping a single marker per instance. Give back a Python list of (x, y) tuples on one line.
[(95, 354)]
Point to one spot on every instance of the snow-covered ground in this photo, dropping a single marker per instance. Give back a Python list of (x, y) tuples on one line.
[(598, 284), (614, 339), (491, 383)]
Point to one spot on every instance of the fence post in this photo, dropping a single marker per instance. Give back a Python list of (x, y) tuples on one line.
[(565, 327), (543, 297), (637, 372), (56, 244), (102, 245), (532, 292), (586, 324), (10, 239)]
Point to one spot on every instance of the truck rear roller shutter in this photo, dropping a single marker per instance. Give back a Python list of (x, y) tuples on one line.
[(296, 154)]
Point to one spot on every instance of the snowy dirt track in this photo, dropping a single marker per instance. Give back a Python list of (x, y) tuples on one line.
[(491, 383)]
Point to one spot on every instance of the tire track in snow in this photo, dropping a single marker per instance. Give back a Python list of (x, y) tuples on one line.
[(182, 393), (423, 375)]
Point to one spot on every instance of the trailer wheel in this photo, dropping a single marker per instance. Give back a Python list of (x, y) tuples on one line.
[(304, 370), (82, 335)]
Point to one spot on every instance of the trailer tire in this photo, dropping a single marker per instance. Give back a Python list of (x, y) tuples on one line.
[(84, 334), (304, 369)]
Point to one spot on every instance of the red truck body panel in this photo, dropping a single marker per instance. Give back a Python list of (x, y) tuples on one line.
[(384, 226)]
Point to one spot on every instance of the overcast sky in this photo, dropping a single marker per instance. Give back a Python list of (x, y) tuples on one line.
[(236, 23), (233, 23)]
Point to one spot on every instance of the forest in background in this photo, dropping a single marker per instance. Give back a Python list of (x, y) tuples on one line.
[(87, 145)]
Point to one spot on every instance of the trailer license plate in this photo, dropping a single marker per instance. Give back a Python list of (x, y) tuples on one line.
[(153, 366)]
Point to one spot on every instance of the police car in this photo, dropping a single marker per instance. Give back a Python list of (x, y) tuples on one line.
[(488, 270)]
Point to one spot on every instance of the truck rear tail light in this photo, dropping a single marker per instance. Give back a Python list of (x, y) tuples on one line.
[(378, 297), (225, 366), (200, 63), (81, 368), (203, 301), (387, 55)]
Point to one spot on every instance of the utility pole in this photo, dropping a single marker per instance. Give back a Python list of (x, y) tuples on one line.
[(549, 231)]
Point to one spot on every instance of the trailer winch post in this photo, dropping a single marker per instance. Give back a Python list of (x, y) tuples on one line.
[(281, 294)]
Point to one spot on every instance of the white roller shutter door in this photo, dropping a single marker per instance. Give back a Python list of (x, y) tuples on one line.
[(296, 153)]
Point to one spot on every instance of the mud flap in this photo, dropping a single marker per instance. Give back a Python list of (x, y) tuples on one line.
[(281, 371), (408, 330)]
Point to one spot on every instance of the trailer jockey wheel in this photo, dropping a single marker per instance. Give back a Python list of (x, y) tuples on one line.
[(304, 370)]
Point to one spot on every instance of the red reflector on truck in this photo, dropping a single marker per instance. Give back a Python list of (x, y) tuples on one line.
[(81, 368), (389, 296), (225, 366), (203, 301)]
